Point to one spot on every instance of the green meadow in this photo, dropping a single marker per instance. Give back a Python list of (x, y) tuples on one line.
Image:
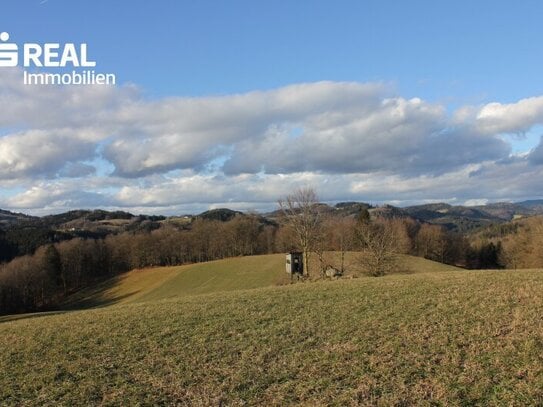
[(236, 332)]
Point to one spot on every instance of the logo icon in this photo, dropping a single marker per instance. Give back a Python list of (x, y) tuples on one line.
[(9, 55), (52, 55)]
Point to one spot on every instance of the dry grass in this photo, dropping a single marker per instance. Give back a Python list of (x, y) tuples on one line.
[(447, 338), (238, 273)]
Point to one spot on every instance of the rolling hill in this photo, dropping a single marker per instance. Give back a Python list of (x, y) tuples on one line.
[(21, 234), (201, 278), (471, 218), (188, 336), (240, 273), (8, 218)]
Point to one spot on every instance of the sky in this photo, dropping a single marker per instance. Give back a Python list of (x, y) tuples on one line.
[(238, 103)]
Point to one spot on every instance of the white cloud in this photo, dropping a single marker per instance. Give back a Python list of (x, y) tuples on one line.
[(496, 118), (43, 152), (180, 133), (323, 126), (395, 136), (351, 141), (48, 107), (188, 191), (56, 197), (476, 202)]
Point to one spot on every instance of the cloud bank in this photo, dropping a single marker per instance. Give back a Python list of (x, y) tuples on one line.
[(106, 146)]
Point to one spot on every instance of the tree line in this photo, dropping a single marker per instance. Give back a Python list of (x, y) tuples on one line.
[(43, 280), (518, 244), (379, 240)]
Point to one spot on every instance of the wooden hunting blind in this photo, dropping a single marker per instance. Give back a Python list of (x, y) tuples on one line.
[(295, 263)]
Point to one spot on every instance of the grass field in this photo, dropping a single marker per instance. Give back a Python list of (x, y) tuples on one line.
[(238, 273), (200, 278), (439, 336)]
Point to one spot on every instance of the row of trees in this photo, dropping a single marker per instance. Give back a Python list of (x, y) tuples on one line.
[(379, 241), (44, 279), (515, 245)]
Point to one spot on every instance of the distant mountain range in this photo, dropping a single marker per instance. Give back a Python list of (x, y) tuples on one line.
[(7, 217), (101, 222), (457, 218), (534, 204), (467, 218)]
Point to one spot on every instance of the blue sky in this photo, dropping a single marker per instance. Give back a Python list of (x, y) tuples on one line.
[(453, 56), (458, 52)]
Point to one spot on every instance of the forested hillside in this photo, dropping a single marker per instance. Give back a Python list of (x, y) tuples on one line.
[(47, 259)]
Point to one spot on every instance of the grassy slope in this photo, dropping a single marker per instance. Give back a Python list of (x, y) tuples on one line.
[(469, 337), (222, 275), (203, 278)]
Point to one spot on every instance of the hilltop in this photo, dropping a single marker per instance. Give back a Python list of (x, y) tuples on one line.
[(470, 218), (21, 234), (239, 273), (451, 216)]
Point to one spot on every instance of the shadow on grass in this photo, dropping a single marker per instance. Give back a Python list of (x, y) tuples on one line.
[(95, 296), (83, 299), (95, 302)]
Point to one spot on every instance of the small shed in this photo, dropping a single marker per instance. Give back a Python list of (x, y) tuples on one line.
[(295, 263)]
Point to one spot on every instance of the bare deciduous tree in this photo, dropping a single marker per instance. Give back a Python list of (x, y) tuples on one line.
[(379, 245), (302, 214), (340, 237), (431, 242)]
